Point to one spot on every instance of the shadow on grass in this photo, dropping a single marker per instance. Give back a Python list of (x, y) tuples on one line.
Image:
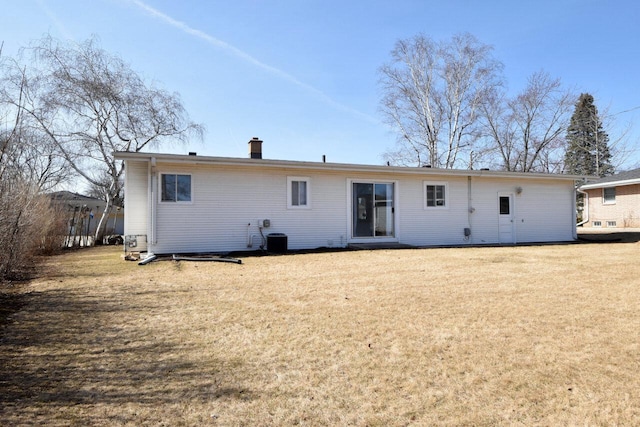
[(60, 349), (609, 237)]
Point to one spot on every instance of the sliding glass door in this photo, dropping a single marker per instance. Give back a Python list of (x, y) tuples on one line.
[(373, 209)]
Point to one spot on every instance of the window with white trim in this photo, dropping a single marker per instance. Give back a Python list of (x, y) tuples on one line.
[(609, 195), (597, 223), (435, 195), (611, 224), (175, 188), (298, 194)]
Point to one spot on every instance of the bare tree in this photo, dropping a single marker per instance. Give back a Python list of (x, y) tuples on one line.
[(90, 104), (527, 131), (27, 221), (25, 149), (432, 95), (99, 191)]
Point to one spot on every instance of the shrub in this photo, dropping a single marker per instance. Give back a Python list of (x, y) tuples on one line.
[(27, 224)]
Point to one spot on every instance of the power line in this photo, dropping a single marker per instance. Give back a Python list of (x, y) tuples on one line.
[(626, 111)]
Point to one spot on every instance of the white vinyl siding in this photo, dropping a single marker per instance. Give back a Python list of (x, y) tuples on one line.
[(544, 212), (232, 200), (434, 226), (230, 203), (136, 198)]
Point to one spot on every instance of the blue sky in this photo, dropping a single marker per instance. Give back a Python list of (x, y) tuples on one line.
[(302, 75)]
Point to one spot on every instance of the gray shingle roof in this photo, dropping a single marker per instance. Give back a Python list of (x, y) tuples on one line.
[(68, 196), (631, 175)]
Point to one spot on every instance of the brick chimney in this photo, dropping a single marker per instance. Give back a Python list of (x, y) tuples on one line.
[(255, 148)]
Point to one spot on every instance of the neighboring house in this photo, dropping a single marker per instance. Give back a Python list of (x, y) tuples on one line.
[(613, 201), (190, 203), (84, 213)]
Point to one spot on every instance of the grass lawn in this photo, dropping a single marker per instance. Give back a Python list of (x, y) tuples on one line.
[(546, 335)]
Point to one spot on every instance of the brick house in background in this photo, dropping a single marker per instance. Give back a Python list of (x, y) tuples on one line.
[(613, 201)]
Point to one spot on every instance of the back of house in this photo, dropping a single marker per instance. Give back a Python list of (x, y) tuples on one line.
[(190, 204)]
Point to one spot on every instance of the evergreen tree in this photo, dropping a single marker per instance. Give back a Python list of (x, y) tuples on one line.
[(588, 144)]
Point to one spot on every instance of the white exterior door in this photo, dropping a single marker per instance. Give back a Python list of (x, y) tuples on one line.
[(505, 218)]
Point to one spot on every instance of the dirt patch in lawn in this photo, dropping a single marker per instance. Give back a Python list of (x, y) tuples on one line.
[(463, 336)]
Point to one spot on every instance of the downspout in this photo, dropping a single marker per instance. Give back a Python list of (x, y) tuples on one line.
[(470, 211), (152, 202), (585, 212)]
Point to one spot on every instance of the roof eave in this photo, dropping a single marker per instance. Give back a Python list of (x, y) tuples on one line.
[(610, 184)]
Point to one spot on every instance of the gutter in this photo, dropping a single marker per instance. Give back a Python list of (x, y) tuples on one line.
[(610, 184)]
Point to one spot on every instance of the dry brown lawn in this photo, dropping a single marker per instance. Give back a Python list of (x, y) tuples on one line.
[(546, 335)]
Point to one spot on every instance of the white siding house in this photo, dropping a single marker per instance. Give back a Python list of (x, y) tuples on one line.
[(189, 204)]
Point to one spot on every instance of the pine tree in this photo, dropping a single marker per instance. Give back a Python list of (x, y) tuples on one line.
[(588, 144)]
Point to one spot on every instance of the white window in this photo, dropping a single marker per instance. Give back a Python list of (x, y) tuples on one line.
[(609, 195), (298, 194), (597, 223), (175, 188), (611, 224), (435, 195)]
